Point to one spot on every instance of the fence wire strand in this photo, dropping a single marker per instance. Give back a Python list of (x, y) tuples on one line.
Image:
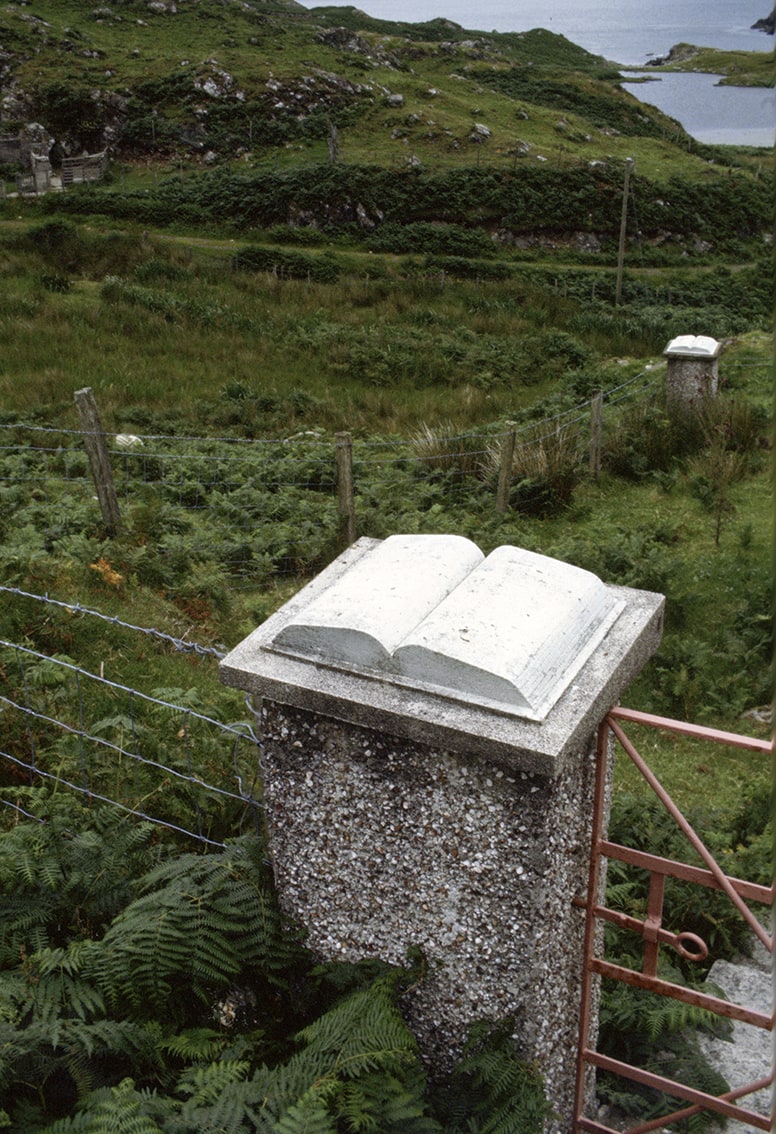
[(252, 506), (61, 781), (44, 723), (179, 644)]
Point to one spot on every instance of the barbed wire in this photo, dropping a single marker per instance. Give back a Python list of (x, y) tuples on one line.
[(614, 401), (122, 750), (17, 807), (246, 779), (182, 438), (307, 437), (75, 669), (105, 799), (77, 608), (274, 508)]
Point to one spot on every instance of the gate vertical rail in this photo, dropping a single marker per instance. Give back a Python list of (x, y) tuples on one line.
[(688, 945)]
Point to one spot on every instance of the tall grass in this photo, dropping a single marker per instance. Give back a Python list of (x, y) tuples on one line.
[(173, 330), (174, 326)]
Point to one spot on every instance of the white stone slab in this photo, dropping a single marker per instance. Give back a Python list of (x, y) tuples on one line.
[(693, 346), (509, 631), (748, 1054)]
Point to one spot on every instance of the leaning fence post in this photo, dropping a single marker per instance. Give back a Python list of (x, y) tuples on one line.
[(505, 471), (97, 451), (346, 503), (596, 426)]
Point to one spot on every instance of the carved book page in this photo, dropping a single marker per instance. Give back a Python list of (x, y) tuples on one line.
[(513, 632), (362, 618), (509, 631)]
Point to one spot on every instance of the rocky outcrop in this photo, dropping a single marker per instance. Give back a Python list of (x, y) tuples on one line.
[(679, 53), (767, 23), (374, 52), (746, 1055)]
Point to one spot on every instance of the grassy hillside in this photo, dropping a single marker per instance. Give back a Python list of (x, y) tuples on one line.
[(738, 68), (202, 82)]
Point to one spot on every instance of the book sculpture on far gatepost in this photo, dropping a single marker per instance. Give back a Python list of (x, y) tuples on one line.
[(507, 631)]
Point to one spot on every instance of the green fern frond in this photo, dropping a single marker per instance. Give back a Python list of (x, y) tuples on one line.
[(364, 1032), (310, 1115), (194, 1044), (217, 1103), (358, 1067), (387, 1104), (82, 1071), (201, 921), (77, 867), (206, 1084), (491, 1090), (14, 996), (24, 918), (120, 1113), (357, 1108), (279, 1088), (57, 990), (71, 960)]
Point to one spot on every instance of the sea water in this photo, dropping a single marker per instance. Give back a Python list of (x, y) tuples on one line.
[(743, 116), (627, 31)]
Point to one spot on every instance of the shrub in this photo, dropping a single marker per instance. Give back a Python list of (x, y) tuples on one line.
[(159, 269), (466, 269), (546, 468), (434, 239), (444, 449), (55, 282), (287, 265), (646, 439)]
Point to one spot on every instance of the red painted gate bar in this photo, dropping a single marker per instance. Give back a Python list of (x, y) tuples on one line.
[(654, 935)]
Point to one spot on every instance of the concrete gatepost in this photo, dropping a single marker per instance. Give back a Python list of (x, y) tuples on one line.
[(428, 724), (692, 377)]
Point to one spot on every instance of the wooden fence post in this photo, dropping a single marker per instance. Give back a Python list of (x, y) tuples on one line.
[(505, 472), (97, 451), (346, 502), (596, 429), (623, 228)]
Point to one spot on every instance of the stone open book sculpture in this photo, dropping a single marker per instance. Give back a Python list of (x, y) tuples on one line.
[(508, 631)]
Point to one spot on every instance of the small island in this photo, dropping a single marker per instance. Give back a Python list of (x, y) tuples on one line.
[(737, 68)]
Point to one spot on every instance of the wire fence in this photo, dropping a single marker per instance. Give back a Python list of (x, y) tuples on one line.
[(256, 506), (169, 762), (262, 507)]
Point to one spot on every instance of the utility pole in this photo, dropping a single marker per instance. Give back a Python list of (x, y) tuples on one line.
[(629, 163)]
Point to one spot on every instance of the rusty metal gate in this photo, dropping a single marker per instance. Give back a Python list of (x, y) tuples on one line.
[(653, 934)]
